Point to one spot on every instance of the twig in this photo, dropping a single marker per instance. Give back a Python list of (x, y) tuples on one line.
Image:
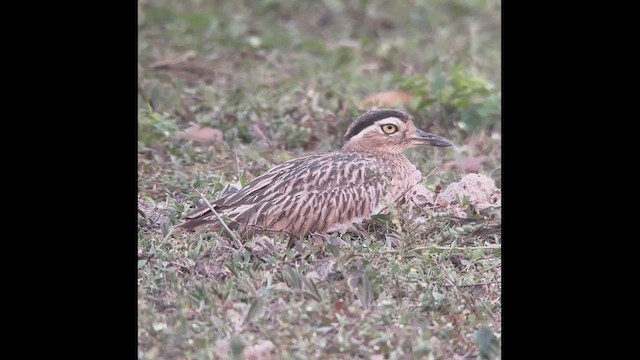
[(237, 163), (435, 247), (458, 247), (429, 174), (168, 233), (233, 236), (470, 285)]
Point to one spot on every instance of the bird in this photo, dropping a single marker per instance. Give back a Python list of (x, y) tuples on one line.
[(330, 192)]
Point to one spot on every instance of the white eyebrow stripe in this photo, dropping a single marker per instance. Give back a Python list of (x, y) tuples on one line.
[(376, 127), (390, 120)]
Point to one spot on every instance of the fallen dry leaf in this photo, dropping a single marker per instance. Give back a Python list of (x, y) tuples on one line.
[(388, 98), (204, 135), (164, 63), (188, 66)]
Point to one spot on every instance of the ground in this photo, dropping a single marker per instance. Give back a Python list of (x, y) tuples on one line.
[(228, 89)]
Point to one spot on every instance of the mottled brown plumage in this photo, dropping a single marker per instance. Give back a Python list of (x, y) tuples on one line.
[(328, 192)]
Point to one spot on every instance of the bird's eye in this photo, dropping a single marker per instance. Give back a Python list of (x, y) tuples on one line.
[(389, 129)]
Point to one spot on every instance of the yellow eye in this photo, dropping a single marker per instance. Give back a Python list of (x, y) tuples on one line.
[(389, 128)]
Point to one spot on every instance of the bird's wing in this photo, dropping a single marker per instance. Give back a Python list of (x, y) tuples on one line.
[(304, 194), (301, 210), (262, 184)]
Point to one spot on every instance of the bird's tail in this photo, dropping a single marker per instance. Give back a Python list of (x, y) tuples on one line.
[(199, 217)]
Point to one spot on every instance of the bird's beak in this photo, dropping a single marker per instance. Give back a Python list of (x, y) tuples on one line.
[(431, 139)]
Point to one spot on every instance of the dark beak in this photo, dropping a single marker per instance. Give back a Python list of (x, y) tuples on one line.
[(431, 139)]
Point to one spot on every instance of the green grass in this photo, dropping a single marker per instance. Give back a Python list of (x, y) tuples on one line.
[(281, 79)]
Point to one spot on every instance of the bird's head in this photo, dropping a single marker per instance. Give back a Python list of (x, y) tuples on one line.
[(388, 130)]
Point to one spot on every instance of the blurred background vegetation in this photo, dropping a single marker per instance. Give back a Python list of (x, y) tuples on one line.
[(293, 74)]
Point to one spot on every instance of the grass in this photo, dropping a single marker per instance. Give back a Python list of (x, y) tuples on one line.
[(280, 79)]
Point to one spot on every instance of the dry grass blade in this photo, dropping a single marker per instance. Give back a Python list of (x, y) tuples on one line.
[(366, 292), (254, 310), (310, 289), (292, 278), (224, 224)]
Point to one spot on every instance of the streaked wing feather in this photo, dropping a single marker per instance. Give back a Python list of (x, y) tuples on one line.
[(304, 194)]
